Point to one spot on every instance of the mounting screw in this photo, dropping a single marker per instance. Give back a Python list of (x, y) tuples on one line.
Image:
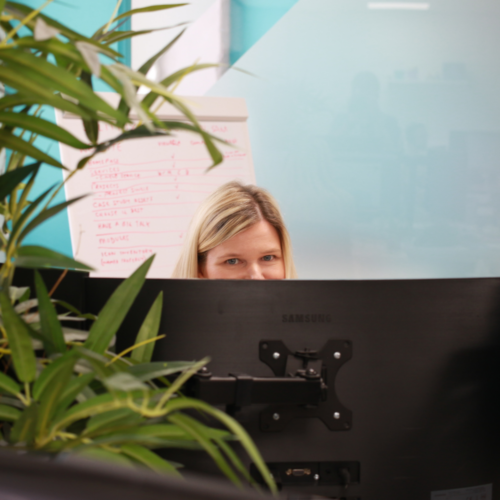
[(276, 355), (316, 477), (337, 355), (276, 416), (336, 415)]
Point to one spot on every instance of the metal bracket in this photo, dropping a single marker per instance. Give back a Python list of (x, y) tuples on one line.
[(333, 355)]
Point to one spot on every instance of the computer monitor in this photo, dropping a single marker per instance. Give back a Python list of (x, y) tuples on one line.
[(415, 393)]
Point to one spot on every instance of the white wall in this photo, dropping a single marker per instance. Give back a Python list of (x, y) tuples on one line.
[(206, 40)]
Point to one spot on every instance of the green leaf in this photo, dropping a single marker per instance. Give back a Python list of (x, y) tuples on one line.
[(102, 455), (18, 334), (72, 390), (193, 427), (10, 180), (24, 430), (149, 329), (114, 311), (95, 405), (103, 421), (149, 458), (49, 374), (8, 385), (179, 404), (50, 326), (18, 226), (124, 382), (41, 127), (151, 8), (56, 101), (61, 371), (20, 11), (32, 256), (9, 414), (15, 143), (46, 214), (234, 459), (123, 106), (149, 371), (150, 62), (119, 36), (91, 126), (59, 79), (99, 363), (75, 311)]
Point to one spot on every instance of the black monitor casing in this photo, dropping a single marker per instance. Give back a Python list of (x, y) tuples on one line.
[(423, 383)]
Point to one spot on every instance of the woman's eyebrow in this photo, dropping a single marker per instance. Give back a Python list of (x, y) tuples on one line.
[(229, 256), (273, 250)]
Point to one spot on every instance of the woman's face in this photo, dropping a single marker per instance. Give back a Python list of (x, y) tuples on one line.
[(253, 254)]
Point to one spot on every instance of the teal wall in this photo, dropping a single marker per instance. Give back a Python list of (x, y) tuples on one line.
[(379, 133), (84, 17), (251, 19)]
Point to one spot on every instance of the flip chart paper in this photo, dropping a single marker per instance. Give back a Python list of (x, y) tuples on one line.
[(144, 192)]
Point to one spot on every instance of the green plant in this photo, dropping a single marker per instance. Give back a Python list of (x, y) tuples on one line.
[(53, 65), (63, 390)]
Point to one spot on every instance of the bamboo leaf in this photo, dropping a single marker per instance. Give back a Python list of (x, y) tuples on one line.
[(102, 455), (15, 143), (23, 356), (60, 79), (24, 430), (43, 31), (234, 427), (19, 11), (50, 394), (124, 382), (103, 421), (151, 370), (74, 310), (72, 390), (149, 458), (32, 207), (150, 62), (151, 8), (192, 427), (123, 106), (99, 363), (149, 329), (113, 313), (90, 54), (46, 214), (8, 385), (42, 127), (50, 373), (70, 54), (56, 101), (50, 326), (9, 414), (151, 97), (32, 256), (10, 180), (97, 404)]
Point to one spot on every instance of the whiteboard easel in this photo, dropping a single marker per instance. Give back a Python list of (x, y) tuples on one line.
[(144, 192)]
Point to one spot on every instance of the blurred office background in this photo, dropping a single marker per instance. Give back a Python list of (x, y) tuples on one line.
[(376, 124)]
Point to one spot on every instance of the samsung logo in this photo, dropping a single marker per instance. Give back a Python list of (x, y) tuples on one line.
[(306, 318)]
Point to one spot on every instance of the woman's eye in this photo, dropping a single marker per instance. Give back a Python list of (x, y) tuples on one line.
[(232, 262), (267, 258)]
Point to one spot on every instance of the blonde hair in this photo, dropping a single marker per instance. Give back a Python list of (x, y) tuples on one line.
[(229, 210)]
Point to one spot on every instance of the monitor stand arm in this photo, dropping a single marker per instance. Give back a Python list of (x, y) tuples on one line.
[(307, 393)]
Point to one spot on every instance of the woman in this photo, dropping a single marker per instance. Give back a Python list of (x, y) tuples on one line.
[(237, 233)]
